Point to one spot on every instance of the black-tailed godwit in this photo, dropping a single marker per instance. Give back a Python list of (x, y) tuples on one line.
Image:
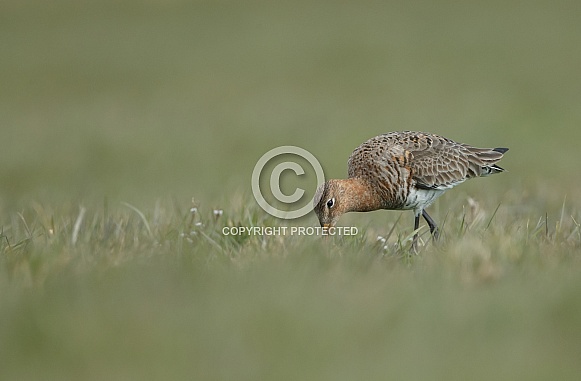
[(403, 171)]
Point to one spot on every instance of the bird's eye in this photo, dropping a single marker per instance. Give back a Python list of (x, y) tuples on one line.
[(330, 203)]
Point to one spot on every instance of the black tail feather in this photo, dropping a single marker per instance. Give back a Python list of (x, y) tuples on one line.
[(491, 170)]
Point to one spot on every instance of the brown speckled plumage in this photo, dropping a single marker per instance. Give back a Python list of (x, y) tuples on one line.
[(401, 171)]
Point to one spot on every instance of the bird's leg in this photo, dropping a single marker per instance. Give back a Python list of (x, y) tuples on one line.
[(415, 239), (431, 224)]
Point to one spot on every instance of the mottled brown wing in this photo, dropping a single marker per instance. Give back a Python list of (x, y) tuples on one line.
[(444, 163), (439, 167), (434, 161)]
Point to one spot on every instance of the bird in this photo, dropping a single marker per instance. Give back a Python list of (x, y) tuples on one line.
[(404, 170)]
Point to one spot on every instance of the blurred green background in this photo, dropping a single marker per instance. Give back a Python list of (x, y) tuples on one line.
[(140, 100)]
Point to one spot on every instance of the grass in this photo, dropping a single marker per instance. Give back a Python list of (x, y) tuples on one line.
[(114, 292), (114, 114)]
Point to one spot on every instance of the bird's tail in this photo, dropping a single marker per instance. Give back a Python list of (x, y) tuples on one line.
[(483, 160), (489, 159)]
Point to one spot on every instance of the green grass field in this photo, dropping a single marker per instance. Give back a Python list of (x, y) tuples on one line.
[(119, 117)]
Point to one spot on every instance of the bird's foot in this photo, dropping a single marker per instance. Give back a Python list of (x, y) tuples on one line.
[(436, 234)]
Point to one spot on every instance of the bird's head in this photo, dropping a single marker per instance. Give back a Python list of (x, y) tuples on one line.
[(328, 203)]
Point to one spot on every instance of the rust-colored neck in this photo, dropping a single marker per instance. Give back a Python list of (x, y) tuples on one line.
[(358, 195)]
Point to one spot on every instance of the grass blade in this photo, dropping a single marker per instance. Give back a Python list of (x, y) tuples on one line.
[(141, 215)]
